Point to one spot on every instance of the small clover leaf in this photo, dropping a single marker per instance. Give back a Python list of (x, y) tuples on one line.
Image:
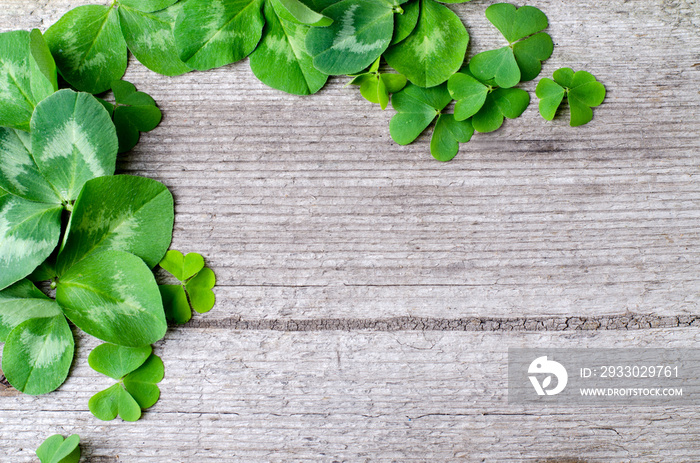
[(376, 86), (196, 284), (117, 361), (406, 22), (417, 108), (448, 134), (55, 449), (113, 401), (200, 291), (486, 104), (134, 392), (581, 89), (521, 60), (297, 12), (182, 267), (141, 384), (133, 112)]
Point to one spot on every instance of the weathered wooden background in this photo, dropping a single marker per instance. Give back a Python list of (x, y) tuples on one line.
[(368, 294)]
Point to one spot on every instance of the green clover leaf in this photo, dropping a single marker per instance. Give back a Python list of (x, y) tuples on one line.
[(196, 284), (281, 59), (417, 108), (38, 354), (122, 212), (133, 112), (89, 48), (136, 391), (150, 37), (406, 22), (434, 50), (21, 302), (483, 102), (214, 33), (27, 76), (581, 89), (376, 86), (55, 449), (199, 288), (299, 13), (113, 296), (147, 6), (521, 60), (117, 361), (360, 32)]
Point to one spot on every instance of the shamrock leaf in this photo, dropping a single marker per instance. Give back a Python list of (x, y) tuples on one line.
[(416, 109), (113, 296), (37, 355), (581, 89), (375, 86), (21, 302), (521, 59), (405, 23), (89, 48), (448, 134), (136, 391), (214, 33), (150, 37), (196, 282), (182, 267), (177, 307), (147, 6), (55, 449), (113, 401), (122, 212), (141, 384), (281, 60), (483, 102), (361, 31), (27, 76), (434, 50), (199, 288), (501, 103), (133, 113), (117, 361)]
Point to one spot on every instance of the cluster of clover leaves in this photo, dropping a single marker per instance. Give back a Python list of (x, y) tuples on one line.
[(93, 238), (78, 243)]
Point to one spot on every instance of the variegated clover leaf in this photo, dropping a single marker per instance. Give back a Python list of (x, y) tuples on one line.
[(486, 104), (361, 31), (417, 108), (133, 112), (72, 140), (89, 48), (281, 60), (197, 283), (434, 49), (581, 89), (27, 76), (135, 391), (376, 86), (521, 60), (214, 33), (55, 449)]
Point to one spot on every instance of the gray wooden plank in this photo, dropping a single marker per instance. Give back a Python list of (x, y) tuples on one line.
[(307, 209), (351, 397)]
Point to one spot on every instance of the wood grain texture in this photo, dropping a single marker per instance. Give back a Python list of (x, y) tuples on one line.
[(256, 396), (306, 208)]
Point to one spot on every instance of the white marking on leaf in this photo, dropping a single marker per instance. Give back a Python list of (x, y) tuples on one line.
[(43, 351), (346, 39)]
